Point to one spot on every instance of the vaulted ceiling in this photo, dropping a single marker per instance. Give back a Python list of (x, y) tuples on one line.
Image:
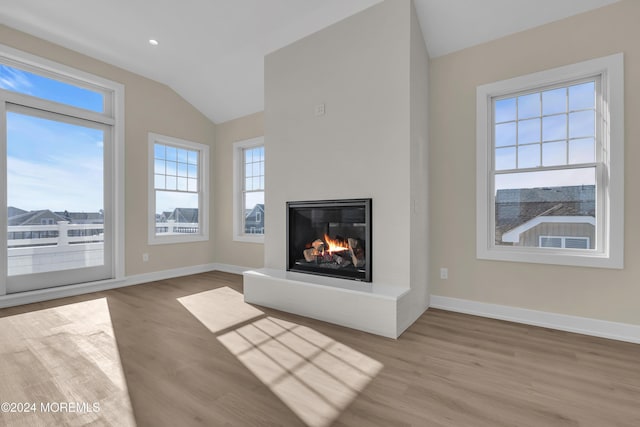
[(211, 51)]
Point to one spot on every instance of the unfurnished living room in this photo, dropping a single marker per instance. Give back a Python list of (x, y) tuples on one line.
[(320, 213)]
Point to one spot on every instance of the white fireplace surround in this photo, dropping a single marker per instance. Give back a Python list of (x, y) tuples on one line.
[(371, 142)]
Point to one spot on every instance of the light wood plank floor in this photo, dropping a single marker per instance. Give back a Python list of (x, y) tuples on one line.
[(188, 352)]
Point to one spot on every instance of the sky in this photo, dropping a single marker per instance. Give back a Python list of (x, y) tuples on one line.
[(51, 164), (555, 127)]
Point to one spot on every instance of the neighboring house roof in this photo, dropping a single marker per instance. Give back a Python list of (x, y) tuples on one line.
[(34, 217), (189, 215), (11, 211), (513, 235), (81, 216), (257, 208), (515, 207)]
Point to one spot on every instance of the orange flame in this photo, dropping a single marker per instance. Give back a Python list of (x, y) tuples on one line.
[(334, 245)]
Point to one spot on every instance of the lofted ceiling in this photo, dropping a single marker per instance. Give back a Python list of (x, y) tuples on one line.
[(211, 51)]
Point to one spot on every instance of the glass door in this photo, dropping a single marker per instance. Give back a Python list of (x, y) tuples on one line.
[(58, 229)]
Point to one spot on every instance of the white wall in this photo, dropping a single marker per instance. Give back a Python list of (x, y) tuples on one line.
[(360, 148), (416, 301), (228, 251), (595, 293)]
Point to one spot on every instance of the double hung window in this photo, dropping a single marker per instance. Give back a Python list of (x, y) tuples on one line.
[(178, 199), (248, 216), (550, 166)]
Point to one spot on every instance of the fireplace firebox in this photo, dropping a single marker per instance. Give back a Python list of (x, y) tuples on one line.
[(330, 238)]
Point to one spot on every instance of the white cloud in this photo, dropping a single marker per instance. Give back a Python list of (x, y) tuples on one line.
[(67, 184), (15, 80)]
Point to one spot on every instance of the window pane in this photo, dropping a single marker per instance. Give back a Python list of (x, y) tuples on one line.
[(172, 168), (176, 213), (159, 182), (576, 243), (505, 158), (582, 151), (182, 169), (254, 213), (582, 96), (505, 134), (16, 80), (554, 101), (529, 156), (192, 157), (528, 205), (554, 153), (192, 184), (248, 158), (171, 183), (192, 171), (256, 183), (528, 131), (182, 155), (247, 184), (529, 106), (182, 184), (159, 167), (554, 127), (54, 174), (159, 151), (172, 153), (582, 124), (550, 242), (505, 110)]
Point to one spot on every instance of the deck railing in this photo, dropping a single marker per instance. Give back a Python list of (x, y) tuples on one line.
[(61, 246), (64, 234)]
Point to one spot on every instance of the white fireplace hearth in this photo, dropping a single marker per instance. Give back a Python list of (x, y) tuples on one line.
[(369, 307)]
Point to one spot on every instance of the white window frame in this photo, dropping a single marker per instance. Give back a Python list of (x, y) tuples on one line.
[(238, 179), (113, 115), (203, 191), (610, 198)]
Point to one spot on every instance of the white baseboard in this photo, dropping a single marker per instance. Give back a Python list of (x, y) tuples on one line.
[(581, 325), (168, 274), (235, 269)]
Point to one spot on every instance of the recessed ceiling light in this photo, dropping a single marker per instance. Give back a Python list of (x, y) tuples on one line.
[(153, 42)]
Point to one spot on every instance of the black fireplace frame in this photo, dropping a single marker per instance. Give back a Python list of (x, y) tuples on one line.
[(366, 203)]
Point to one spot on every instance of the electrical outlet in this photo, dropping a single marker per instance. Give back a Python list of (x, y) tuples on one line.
[(319, 110), (145, 257), (444, 273)]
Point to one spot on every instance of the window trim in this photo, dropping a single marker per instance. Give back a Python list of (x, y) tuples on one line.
[(203, 191), (113, 115), (611, 211), (238, 177)]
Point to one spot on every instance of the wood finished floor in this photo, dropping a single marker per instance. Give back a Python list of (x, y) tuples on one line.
[(185, 366)]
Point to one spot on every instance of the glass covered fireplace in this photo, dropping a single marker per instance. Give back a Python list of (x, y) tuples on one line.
[(330, 238)]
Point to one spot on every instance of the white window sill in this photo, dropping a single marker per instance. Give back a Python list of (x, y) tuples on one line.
[(247, 238), (167, 240), (569, 257)]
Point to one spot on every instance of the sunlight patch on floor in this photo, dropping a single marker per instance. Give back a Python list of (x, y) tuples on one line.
[(314, 375), (64, 361), (219, 309)]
